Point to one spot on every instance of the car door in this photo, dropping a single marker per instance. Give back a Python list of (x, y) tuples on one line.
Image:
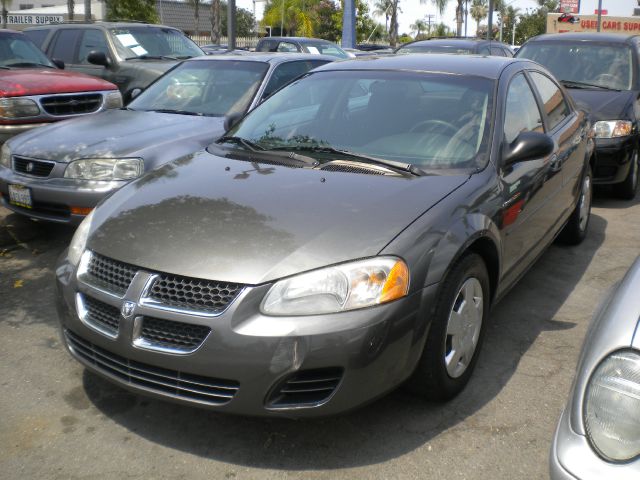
[(91, 39), (564, 125), (528, 213)]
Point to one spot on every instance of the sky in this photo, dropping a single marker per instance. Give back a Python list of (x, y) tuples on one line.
[(414, 9)]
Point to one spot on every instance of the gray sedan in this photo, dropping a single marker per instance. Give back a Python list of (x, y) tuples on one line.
[(598, 435), (60, 172), (348, 235)]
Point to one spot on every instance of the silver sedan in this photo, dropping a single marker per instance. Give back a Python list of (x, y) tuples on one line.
[(598, 436), (61, 172)]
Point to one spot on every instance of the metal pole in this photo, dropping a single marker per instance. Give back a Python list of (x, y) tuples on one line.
[(599, 14), (87, 10), (282, 20), (349, 24), (490, 21), (231, 25), (501, 24), (513, 31), (466, 16)]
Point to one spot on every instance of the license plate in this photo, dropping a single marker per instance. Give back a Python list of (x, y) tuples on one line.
[(20, 195)]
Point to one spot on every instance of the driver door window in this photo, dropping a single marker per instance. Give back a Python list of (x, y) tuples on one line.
[(91, 40), (521, 112)]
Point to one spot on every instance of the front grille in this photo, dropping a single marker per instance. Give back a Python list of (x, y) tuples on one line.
[(173, 383), (102, 315), (37, 168), (110, 274), (194, 294), (332, 167), (173, 335), (71, 104), (307, 388)]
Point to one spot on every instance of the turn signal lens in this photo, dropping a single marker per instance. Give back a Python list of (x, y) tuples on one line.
[(81, 210)]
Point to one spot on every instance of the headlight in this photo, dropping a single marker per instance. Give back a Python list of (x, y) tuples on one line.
[(612, 407), (79, 240), (5, 156), (339, 288), (113, 100), (16, 107), (612, 128), (105, 169)]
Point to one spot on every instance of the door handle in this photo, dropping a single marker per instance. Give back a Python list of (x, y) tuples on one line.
[(555, 164)]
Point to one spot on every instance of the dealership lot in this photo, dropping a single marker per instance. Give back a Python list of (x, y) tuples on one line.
[(59, 421)]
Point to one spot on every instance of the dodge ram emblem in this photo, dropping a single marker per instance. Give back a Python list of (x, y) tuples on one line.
[(127, 309)]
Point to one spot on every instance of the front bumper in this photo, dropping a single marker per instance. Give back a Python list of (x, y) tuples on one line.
[(54, 196), (572, 458), (613, 159), (8, 131), (251, 355)]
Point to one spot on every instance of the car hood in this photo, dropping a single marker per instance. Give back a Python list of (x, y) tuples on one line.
[(44, 81), (603, 104), (216, 218), (112, 134)]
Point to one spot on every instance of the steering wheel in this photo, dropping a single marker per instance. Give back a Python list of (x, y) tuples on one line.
[(439, 124)]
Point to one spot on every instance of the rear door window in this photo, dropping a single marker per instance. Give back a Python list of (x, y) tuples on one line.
[(65, 45)]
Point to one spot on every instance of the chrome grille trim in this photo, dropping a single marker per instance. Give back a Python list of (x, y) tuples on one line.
[(71, 104), (97, 315), (40, 168), (163, 381), (156, 334), (105, 274)]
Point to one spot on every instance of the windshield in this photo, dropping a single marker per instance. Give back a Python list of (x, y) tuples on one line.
[(211, 87), (132, 42), (18, 51), (607, 65), (435, 49), (432, 121)]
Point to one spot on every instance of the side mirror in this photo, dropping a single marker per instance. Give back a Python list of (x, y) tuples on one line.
[(98, 58), (134, 93), (58, 63), (528, 146), (232, 120)]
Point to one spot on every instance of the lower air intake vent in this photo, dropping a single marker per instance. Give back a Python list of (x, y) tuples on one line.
[(172, 383), (170, 335), (307, 388)]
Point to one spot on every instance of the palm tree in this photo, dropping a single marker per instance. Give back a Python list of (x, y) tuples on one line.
[(196, 16), (71, 4), (419, 26), (215, 21), (479, 10), (441, 5), (296, 19), (383, 7), (4, 4)]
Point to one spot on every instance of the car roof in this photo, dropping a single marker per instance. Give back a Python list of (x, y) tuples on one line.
[(100, 24), (464, 42), (297, 39), (583, 37), (6, 30), (476, 65), (266, 57)]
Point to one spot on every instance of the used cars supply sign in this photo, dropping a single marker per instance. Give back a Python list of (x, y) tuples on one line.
[(556, 23)]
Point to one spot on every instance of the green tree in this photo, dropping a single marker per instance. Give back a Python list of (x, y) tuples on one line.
[(441, 30), (419, 26), (328, 21), (441, 5), (293, 15), (479, 10), (383, 8), (534, 23), (245, 21), (510, 17), (216, 24), (140, 10)]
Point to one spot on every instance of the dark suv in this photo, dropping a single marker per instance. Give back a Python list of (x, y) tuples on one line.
[(461, 46), (131, 55)]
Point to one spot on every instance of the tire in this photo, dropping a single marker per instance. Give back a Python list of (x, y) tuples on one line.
[(443, 370), (575, 231), (627, 189)]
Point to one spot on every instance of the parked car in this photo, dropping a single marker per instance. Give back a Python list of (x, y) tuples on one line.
[(350, 232), (598, 435), (600, 71), (457, 45), (300, 44), (35, 92), (131, 55), (76, 164)]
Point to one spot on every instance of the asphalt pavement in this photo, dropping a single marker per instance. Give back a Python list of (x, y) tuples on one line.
[(58, 421)]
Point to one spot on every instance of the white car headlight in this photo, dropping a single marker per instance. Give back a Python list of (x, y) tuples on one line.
[(79, 240), (612, 407), (16, 107), (113, 100), (5, 156), (105, 169), (339, 288), (612, 128)]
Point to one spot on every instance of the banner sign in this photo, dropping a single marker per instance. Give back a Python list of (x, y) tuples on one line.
[(33, 19), (589, 23), (570, 6)]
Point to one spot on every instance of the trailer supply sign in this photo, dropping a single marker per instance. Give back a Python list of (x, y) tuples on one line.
[(34, 19)]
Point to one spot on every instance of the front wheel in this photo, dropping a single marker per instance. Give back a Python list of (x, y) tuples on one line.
[(627, 189), (575, 230), (457, 330)]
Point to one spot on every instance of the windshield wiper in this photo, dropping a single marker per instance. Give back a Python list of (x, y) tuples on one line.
[(575, 84), (179, 112), (27, 64), (254, 147), (152, 57), (248, 144), (405, 167)]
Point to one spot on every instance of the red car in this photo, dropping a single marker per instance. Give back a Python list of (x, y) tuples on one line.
[(34, 91)]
